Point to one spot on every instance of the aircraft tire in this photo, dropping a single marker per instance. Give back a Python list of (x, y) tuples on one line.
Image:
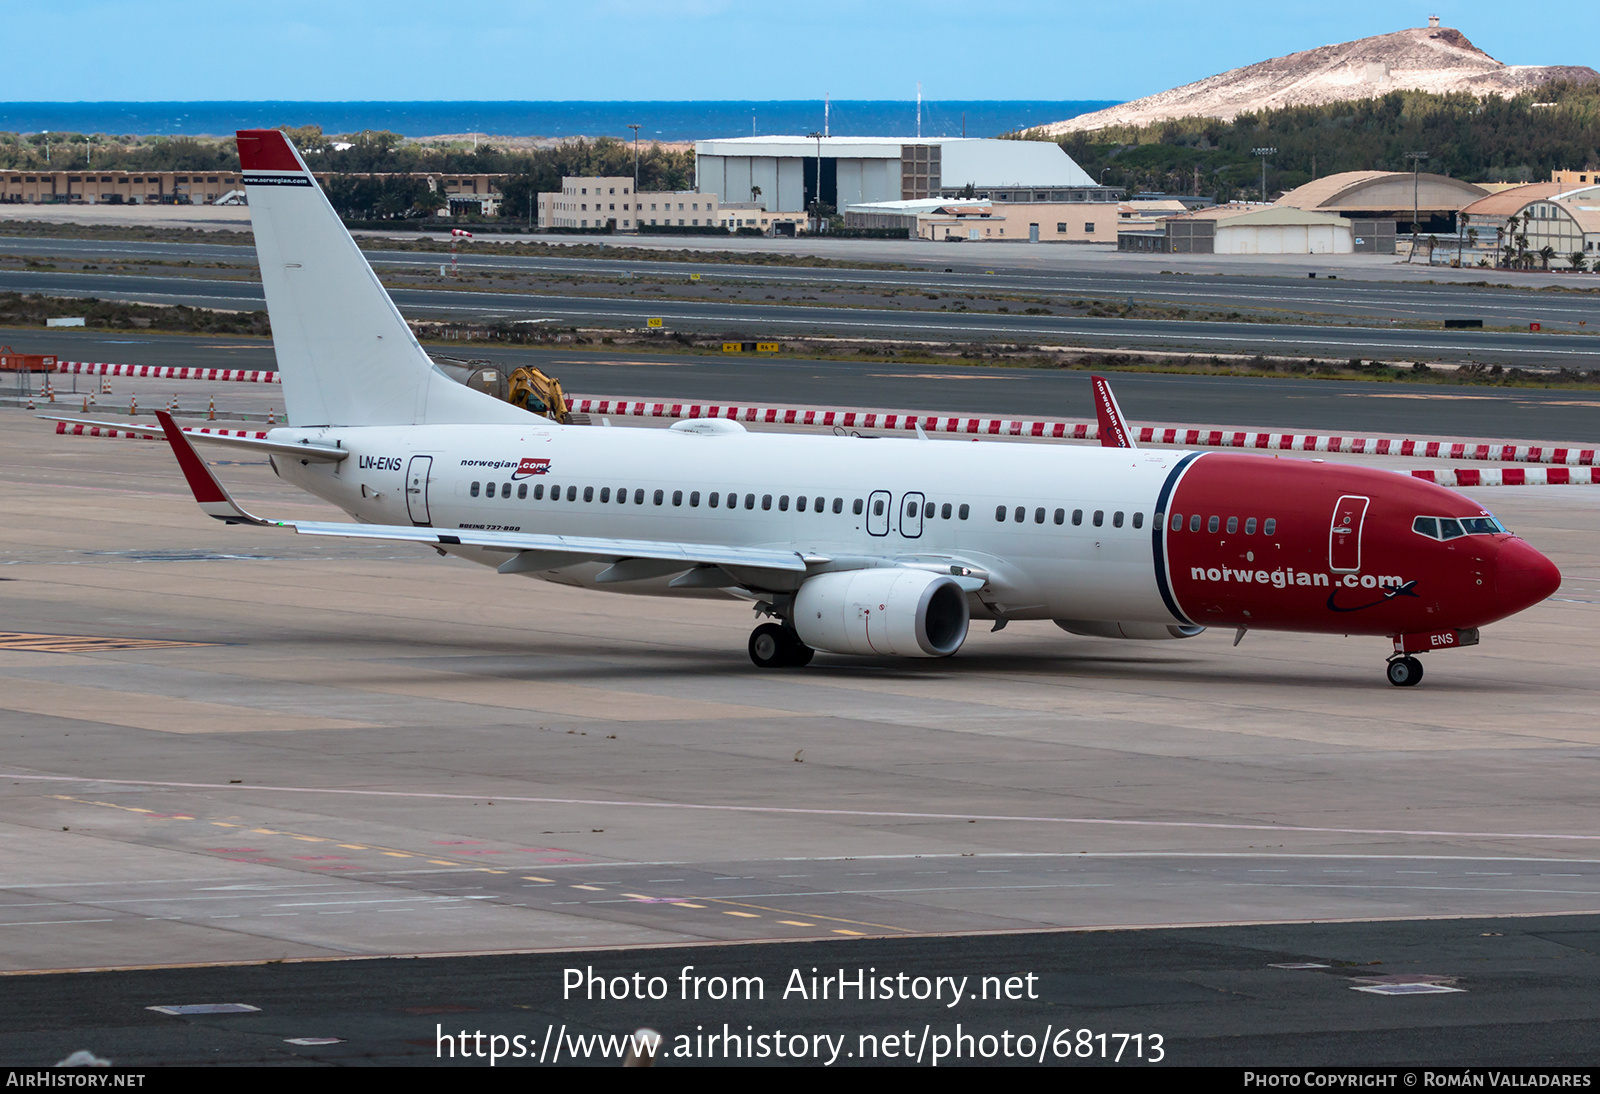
[(769, 646), (800, 654), (1404, 672)]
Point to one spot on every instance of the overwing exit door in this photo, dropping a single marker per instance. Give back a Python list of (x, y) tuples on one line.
[(878, 513), (1344, 536), (911, 515), (417, 472)]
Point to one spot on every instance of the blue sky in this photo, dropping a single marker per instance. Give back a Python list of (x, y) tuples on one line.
[(145, 50)]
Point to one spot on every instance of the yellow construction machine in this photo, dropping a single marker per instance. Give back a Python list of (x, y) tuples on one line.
[(525, 386)]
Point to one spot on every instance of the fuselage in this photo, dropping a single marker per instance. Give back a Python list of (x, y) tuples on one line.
[(1061, 532)]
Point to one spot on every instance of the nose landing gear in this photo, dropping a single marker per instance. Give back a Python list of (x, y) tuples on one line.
[(777, 647), (1404, 671)]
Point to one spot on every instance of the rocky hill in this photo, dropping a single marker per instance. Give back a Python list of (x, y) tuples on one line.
[(1435, 59)]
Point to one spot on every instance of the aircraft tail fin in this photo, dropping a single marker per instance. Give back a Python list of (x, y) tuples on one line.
[(345, 354), (1114, 432)]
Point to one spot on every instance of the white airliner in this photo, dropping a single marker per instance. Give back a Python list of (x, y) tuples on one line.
[(850, 545)]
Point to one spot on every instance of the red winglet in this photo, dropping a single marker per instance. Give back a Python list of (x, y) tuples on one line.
[(1113, 429), (210, 493), (265, 150)]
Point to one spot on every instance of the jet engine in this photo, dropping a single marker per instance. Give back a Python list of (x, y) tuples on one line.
[(887, 611), (1146, 632)]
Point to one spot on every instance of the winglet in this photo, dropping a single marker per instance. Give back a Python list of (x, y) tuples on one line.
[(211, 494), (1114, 431)]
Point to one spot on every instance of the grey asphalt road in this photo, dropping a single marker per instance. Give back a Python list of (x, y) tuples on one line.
[(1367, 408), (1348, 295), (1525, 991), (1541, 350)]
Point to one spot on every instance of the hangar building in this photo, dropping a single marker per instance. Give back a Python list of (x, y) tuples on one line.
[(782, 173)]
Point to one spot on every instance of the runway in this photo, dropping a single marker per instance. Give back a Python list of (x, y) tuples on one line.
[(1361, 339)]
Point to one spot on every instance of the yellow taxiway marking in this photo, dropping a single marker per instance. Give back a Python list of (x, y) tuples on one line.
[(827, 918), (795, 923), (355, 847), (398, 854), (530, 877), (591, 888), (83, 643), (743, 915), (685, 904), (841, 930), (225, 824), (441, 862)]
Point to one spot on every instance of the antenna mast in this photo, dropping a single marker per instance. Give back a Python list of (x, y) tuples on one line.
[(919, 110)]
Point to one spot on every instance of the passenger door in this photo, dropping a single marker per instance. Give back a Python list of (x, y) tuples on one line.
[(911, 515), (1344, 536), (417, 472), (878, 513)]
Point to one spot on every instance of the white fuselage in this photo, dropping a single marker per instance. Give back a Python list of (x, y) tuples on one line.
[(875, 496)]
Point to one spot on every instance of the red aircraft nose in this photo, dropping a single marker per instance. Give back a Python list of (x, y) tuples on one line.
[(1522, 576)]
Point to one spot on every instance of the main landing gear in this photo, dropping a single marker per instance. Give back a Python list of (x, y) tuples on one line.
[(1404, 672), (777, 647)]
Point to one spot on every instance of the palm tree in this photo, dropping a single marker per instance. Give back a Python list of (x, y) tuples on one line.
[(1578, 261), (755, 192), (1461, 229), (1546, 253)]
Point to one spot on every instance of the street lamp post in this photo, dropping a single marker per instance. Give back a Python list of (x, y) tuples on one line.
[(817, 202), (635, 129), (1416, 159), (1262, 154)]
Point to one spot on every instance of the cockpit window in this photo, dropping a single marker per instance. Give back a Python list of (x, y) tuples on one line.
[(1448, 528)]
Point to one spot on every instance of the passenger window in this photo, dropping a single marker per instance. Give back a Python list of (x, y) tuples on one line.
[(1250, 527), (1194, 523), (677, 497), (877, 508), (588, 493), (638, 497), (1099, 517), (522, 491), (838, 505), (622, 495), (572, 493), (474, 491), (1213, 524), (1233, 525), (944, 511), (660, 496), (1138, 520), (749, 501), (694, 499), (1038, 516), (911, 508), (819, 503), (999, 512), (1426, 526), (538, 492), (1270, 526), (856, 509), (927, 511), (712, 500), (1116, 519), (766, 501), (1020, 514), (505, 490), (1449, 529), (783, 503), (800, 503), (962, 512), (1061, 516), (1077, 517), (605, 494), (1177, 522)]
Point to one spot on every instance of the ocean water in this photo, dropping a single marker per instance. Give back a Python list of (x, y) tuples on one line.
[(667, 121)]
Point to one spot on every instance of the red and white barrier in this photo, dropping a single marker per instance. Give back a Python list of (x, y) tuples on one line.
[(158, 372), (1188, 438), (1513, 476)]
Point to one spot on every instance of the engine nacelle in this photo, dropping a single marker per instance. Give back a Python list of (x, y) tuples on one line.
[(888, 611), (1145, 632)]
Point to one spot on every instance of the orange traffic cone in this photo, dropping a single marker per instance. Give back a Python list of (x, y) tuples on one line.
[(86, 404), (211, 412), (272, 416), (133, 405)]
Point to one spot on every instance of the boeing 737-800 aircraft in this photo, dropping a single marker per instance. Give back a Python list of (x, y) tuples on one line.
[(850, 545)]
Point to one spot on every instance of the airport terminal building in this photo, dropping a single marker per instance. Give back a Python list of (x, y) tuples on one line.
[(788, 173)]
